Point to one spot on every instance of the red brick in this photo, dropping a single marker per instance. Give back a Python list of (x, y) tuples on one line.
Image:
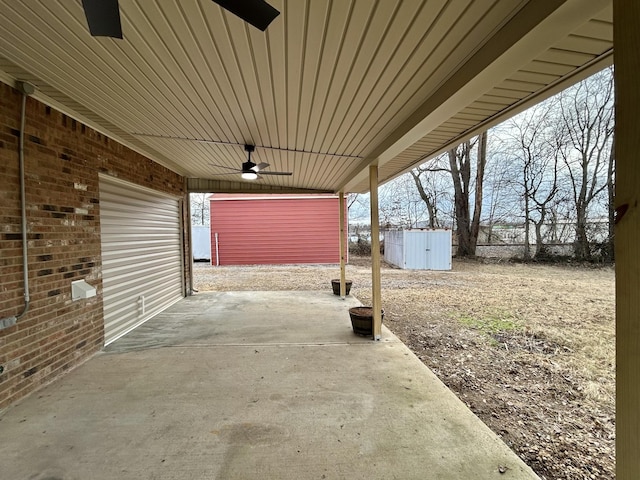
[(56, 334)]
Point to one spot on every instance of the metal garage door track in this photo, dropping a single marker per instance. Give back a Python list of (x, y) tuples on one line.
[(251, 385)]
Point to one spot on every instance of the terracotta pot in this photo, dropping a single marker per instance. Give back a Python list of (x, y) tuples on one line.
[(362, 320), (335, 285)]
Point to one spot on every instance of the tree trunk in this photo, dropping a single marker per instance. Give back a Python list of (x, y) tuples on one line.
[(610, 255), (581, 245), (460, 168), (541, 249), (581, 248), (461, 202), (477, 208), (527, 221)]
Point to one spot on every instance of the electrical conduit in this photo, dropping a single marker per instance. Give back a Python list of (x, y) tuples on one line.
[(26, 89)]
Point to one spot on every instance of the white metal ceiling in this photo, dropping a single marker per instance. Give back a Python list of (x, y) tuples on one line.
[(329, 88)]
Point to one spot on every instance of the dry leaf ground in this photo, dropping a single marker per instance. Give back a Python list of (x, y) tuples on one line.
[(529, 348)]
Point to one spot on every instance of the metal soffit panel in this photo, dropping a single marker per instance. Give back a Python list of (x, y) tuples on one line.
[(545, 61), (540, 78), (330, 87)]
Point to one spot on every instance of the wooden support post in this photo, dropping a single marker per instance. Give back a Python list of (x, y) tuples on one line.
[(626, 18), (343, 248), (376, 288)]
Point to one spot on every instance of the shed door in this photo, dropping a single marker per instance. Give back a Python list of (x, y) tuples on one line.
[(438, 250), (141, 255), (427, 250), (416, 250)]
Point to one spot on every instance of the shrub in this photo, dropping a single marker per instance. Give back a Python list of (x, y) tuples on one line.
[(361, 248)]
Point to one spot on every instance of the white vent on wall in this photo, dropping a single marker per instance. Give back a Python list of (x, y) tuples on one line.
[(81, 289)]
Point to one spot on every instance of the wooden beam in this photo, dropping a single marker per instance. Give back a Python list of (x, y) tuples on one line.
[(626, 18), (376, 289), (343, 248)]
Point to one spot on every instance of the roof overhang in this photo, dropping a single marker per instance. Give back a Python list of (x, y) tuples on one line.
[(328, 90)]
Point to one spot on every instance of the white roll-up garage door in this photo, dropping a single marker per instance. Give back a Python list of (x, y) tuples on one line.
[(141, 254)]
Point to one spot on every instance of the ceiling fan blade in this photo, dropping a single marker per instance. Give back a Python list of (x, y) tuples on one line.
[(103, 18), (260, 166), (256, 12), (267, 172), (237, 170)]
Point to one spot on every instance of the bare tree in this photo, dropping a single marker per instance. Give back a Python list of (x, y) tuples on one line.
[(358, 208), (460, 160), (477, 209), (555, 168), (351, 199), (199, 208), (500, 202), (458, 164), (587, 117), (400, 205), (535, 147), (427, 197), (611, 208), (433, 184)]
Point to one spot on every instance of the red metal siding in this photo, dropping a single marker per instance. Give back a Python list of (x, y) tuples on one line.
[(275, 230)]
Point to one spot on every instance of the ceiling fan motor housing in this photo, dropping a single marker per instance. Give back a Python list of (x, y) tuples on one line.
[(248, 166)]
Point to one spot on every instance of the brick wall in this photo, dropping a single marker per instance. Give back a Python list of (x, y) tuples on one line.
[(62, 161)]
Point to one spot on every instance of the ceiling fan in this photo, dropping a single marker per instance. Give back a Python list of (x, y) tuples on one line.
[(103, 16), (251, 170)]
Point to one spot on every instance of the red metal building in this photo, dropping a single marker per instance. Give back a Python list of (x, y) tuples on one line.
[(274, 229)]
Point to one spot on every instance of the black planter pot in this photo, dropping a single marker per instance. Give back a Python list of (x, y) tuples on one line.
[(362, 320), (335, 285)]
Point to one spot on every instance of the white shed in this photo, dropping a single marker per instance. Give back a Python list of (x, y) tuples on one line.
[(418, 249)]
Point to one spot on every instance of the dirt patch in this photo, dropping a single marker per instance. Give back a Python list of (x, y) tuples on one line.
[(529, 348)]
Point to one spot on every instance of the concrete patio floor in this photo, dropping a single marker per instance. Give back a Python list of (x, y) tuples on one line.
[(251, 385)]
